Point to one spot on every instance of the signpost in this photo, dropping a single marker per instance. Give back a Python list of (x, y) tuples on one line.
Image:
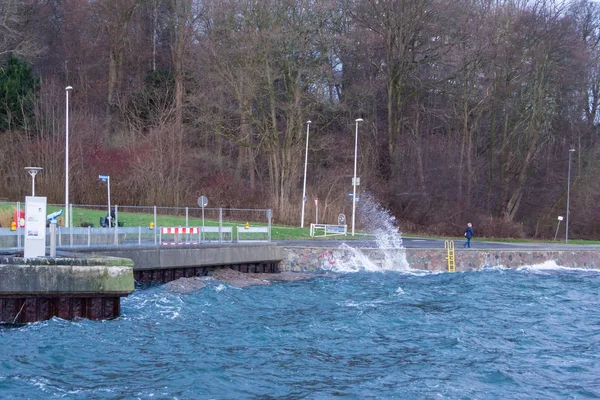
[(202, 202), (106, 178), (560, 218)]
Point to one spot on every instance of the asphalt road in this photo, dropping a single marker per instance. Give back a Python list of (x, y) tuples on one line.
[(421, 243)]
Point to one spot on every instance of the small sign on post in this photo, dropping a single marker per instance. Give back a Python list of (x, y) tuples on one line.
[(202, 202), (560, 218)]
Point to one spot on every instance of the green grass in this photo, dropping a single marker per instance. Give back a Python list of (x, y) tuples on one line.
[(278, 232), (134, 219)]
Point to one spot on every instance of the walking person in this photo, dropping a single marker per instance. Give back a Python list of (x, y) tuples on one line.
[(468, 234)]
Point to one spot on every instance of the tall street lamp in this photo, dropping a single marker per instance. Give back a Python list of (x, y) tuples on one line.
[(571, 151), (305, 163), (33, 172), (67, 90), (354, 179)]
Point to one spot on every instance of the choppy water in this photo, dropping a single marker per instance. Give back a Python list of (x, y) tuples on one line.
[(496, 333)]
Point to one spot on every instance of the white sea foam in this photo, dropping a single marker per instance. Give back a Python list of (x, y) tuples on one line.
[(551, 265), (220, 287), (494, 268)]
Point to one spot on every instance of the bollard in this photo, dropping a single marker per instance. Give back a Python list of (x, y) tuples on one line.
[(53, 238)]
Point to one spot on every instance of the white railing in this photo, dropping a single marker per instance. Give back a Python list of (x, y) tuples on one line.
[(317, 230), (255, 233)]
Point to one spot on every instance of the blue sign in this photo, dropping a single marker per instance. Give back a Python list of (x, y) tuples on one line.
[(103, 178), (304, 198)]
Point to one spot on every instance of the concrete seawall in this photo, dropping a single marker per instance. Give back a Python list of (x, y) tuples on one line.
[(41, 288), (319, 258)]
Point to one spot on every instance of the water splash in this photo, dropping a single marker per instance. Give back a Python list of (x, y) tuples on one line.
[(381, 223), (391, 255)]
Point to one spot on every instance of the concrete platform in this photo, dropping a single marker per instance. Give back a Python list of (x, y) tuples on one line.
[(161, 264), (42, 288)]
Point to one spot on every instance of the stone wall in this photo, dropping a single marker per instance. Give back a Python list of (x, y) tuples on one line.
[(319, 258)]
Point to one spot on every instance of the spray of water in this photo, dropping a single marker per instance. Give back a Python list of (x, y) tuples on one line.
[(376, 220)]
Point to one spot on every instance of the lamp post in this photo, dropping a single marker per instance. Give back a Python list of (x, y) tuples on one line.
[(354, 179), (571, 151), (67, 90), (33, 172), (305, 163)]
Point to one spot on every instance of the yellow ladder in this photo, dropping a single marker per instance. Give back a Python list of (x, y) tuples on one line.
[(449, 246)]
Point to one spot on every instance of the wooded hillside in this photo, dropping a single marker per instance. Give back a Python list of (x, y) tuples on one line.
[(469, 108)]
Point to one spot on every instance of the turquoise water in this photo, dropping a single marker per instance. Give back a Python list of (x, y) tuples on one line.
[(492, 334)]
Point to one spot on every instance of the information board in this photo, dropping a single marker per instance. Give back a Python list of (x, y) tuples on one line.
[(35, 227)]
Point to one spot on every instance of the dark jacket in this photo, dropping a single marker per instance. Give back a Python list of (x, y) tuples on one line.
[(469, 232)]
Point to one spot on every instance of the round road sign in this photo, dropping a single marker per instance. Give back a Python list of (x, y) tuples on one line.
[(202, 201)]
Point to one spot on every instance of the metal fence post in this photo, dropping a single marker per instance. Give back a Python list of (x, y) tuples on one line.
[(70, 211), (18, 225), (89, 236), (155, 226), (220, 225), (269, 216), (116, 226), (139, 235), (187, 235)]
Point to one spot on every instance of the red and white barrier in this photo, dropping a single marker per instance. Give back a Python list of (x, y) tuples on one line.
[(176, 244), (179, 231)]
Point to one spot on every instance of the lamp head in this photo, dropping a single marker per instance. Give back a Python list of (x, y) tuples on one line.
[(33, 170), (359, 120), (69, 88), (571, 150), (308, 122)]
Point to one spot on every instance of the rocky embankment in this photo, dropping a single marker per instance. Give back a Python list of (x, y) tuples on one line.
[(235, 278)]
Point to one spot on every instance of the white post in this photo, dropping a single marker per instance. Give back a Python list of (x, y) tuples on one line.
[(53, 238), (155, 226), (202, 231), (354, 180), (560, 218), (571, 151), (305, 164), (67, 89), (109, 215), (220, 225)]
